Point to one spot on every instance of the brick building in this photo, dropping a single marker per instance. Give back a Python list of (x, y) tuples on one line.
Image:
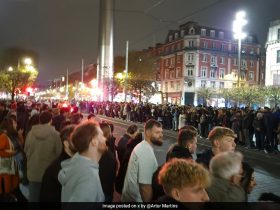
[(196, 56)]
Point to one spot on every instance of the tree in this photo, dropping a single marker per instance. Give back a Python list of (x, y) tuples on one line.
[(14, 73), (205, 94), (273, 95), (141, 72)]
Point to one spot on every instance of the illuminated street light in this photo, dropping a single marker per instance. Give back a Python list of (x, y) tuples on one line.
[(27, 61), (120, 76), (238, 25), (10, 68)]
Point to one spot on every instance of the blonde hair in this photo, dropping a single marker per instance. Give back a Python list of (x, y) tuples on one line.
[(179, 173)]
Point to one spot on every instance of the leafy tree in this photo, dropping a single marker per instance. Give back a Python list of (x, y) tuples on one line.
[(205, 94), (273, 95), (141, 72), (14, 74)]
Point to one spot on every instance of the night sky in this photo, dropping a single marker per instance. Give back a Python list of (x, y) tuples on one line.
[(63, 32)]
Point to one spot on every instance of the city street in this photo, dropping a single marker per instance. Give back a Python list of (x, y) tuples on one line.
[(266, 166)]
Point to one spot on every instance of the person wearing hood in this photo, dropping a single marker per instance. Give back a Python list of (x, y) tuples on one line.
[(79, 175), (42, 146)]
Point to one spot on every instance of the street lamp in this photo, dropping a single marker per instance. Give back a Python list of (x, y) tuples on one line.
[(238, 25), (27, 61)]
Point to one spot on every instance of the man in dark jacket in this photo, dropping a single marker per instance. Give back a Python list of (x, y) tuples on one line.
[(186, 144), (131, 132), (184, 148), (51, 188)]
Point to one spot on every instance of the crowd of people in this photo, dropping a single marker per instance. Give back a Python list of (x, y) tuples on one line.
[(63, 157), (255, 129)]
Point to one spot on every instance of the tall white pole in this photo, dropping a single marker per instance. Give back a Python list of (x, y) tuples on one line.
[(105, 61), (67, 85), (82, 80), (239, 62), (126, 71)]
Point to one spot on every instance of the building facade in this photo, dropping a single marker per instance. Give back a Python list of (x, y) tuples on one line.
[(272, 70), (195, 57)]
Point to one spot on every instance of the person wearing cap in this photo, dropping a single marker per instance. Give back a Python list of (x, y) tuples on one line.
[(222, 140)]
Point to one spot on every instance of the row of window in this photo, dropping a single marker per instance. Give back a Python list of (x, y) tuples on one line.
[(212, 84), (192, 32), (213, 59), (172, 74), (203, 84), (171, 61), (172, 86)]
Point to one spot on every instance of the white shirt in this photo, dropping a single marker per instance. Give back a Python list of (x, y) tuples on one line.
[(142, 164)]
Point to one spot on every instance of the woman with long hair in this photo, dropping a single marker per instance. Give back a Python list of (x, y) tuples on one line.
[(11, 143)]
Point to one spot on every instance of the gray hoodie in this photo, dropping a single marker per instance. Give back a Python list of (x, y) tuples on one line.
[(80, 181), (42, 146)]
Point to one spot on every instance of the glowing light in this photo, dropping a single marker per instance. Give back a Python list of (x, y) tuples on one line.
[(10, 68), (29, 90), (93, 83), (27, 61), (238, 25), (119, 76), (64, 105)]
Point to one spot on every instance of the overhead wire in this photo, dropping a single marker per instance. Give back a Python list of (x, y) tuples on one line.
[(168, 22)]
